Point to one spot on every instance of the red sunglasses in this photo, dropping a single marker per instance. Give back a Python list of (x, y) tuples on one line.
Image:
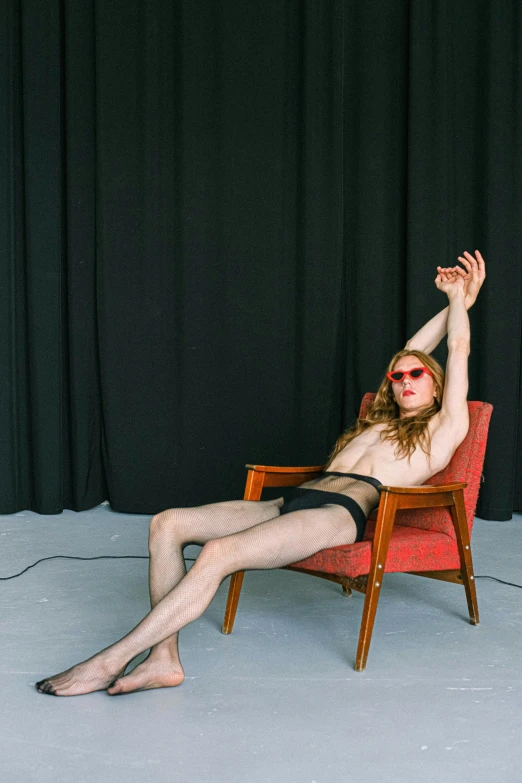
[(415, 372)]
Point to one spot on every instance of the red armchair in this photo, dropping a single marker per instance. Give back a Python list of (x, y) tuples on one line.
[(422, 530)]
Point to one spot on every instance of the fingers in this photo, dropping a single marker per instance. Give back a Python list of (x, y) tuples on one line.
[(481, 265), (466, 273), (476, 266), (473, 274), (477, 263), (448, 272), (480, 259), (471, 261)]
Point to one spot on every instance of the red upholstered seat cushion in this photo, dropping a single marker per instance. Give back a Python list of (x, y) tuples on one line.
[(410, 549)]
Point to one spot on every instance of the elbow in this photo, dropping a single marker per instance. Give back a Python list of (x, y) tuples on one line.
[(459, 344)]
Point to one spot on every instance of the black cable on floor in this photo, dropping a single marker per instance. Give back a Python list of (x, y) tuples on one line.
[(511, 584), (187, 559), (70, 557)]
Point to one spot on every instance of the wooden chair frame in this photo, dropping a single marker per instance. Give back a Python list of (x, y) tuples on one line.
[(392, 499)]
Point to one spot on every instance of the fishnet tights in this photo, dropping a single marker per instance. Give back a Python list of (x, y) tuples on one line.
[(237, 535), (174, 528)]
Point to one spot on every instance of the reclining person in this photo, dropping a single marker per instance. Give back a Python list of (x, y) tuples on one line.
[(417, 421)]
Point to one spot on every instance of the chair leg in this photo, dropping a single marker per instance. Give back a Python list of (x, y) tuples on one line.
[(458, 515), (236, 581), (381, 541), (253, 490)]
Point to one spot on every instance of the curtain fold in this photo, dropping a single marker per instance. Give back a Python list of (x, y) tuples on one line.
[(218, 222)]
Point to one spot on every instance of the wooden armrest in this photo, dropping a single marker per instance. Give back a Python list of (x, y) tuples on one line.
[(279, 469), (424, 489)]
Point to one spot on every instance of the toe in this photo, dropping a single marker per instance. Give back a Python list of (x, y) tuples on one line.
[(44, 686)]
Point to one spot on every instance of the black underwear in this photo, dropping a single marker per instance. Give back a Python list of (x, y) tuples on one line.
[(297, 498)]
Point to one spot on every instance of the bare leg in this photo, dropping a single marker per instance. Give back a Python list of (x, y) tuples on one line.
[(270, 544), (169, 531)]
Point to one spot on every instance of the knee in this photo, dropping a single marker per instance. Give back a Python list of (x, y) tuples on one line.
[(165, 525), (214, 555), (213, 549)]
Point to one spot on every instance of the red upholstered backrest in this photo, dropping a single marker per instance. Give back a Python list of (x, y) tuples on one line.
[(466, 465)]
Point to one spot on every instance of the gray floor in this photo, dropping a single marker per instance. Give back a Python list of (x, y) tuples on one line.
[(278, 700)]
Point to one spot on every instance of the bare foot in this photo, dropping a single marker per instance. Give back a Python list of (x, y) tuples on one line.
[(153, 672), (95, 674)]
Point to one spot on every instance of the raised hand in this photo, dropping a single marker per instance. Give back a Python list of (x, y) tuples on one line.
[(473, 276), (449, 281)]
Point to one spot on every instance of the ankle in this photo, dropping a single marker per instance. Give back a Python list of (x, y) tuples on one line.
[(165, 651), (114, 658)]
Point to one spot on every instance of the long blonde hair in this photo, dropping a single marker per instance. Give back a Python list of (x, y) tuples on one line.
[(407, 432)]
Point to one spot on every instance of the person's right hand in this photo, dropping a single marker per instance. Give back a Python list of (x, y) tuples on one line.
[(473, 276)]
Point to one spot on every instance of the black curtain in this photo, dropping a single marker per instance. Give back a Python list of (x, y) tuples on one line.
[(220, 220)]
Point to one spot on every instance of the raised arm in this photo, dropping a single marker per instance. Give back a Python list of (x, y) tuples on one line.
[(430, 335), (454, 409)]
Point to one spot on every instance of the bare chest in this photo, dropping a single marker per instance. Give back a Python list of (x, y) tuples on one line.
[(370, 455)]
